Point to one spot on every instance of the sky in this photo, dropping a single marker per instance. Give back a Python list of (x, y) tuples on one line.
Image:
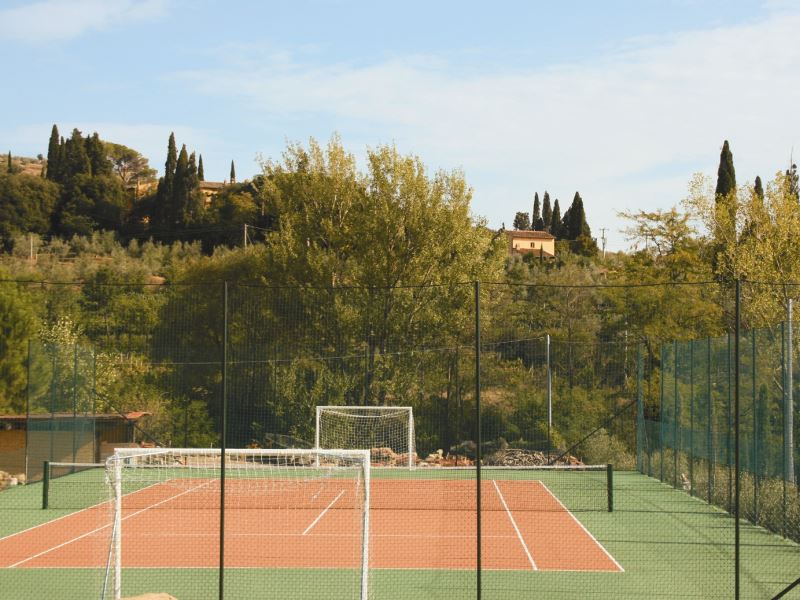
[(622, 100)]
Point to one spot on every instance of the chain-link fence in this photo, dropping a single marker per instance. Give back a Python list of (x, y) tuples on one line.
[(521, 396)]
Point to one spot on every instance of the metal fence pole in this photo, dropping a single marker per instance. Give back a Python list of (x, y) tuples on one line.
[(710, 446), (662, 422), (754, 404), (549, 398), (223, 440), (478, 434), (640, 432), (676, 444), (737, 413), (788, 407), (691, 453)]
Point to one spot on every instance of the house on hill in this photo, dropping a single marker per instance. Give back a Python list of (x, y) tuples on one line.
[(539, 243)]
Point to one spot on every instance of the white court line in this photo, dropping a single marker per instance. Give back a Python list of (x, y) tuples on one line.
[(23, 561), (514, 523), (77, 512), (320, 515), (574, 518)]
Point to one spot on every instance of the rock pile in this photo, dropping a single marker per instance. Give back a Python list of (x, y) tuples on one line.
[(517, 457), (8, 480)]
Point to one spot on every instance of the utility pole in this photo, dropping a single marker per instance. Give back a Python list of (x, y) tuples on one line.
[(603, 238)]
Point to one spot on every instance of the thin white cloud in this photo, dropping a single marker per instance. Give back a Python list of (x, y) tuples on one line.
[(595, 126), (57, 20)]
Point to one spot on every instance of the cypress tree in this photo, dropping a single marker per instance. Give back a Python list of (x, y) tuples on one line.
[(9, 170), (98, 159), (794, 181), (233, 173), (759, 189), (537, 224), (180, 191), (200, 173), (726, 174), (53, 154), (76, 160), (547, 213), (555, 221), (164, 210)]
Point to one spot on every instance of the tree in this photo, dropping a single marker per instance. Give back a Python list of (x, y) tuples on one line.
[(555, 221), (233, 173), (92, 203), (201, 176), (547, 212), (76, 160), (98, 157), (758, 188), (537, 223), (8, 164), (53, 155), (18, 324), (726, 174), (522, 221), (164, 210), (576, 229), (26, 205), (127, 164), (794, 181)]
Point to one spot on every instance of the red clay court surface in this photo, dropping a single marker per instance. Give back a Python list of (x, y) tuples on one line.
[(525, 527)]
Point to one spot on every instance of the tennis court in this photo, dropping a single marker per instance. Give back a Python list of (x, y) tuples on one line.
[(426, 523), (544, 535)]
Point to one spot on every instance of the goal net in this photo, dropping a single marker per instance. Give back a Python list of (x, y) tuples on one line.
[(386, 431), (286, 512)]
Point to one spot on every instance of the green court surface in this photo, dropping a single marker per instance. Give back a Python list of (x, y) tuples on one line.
[(669, 544)]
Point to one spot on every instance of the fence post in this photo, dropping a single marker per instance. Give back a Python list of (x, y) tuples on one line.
[(754, 404), (691, 454), (676, 442), (662, 423), (549, 398), (223, 440), (788, 406), (710, 445), (478, 435), (736, 428), (640, 431)]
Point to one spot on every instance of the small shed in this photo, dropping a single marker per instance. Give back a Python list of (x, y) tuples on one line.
[(26, 441)]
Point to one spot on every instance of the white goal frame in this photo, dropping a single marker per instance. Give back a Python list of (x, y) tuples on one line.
[(410, 450), (115, 465)]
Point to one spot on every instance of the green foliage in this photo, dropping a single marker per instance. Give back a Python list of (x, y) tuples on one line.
[(201, 176), (54, 156), (556, 227), (91, 203), (547, 213), (18, 323), (522, 221), (127, 164), (726, 174), (26, 205), (537, 222), (233, 173)]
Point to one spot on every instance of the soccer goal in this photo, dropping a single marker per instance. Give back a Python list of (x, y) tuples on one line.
[(167, 517), (386, 431)]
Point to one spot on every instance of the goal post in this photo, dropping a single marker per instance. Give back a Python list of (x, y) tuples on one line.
[(268, 492), (387, 432)]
